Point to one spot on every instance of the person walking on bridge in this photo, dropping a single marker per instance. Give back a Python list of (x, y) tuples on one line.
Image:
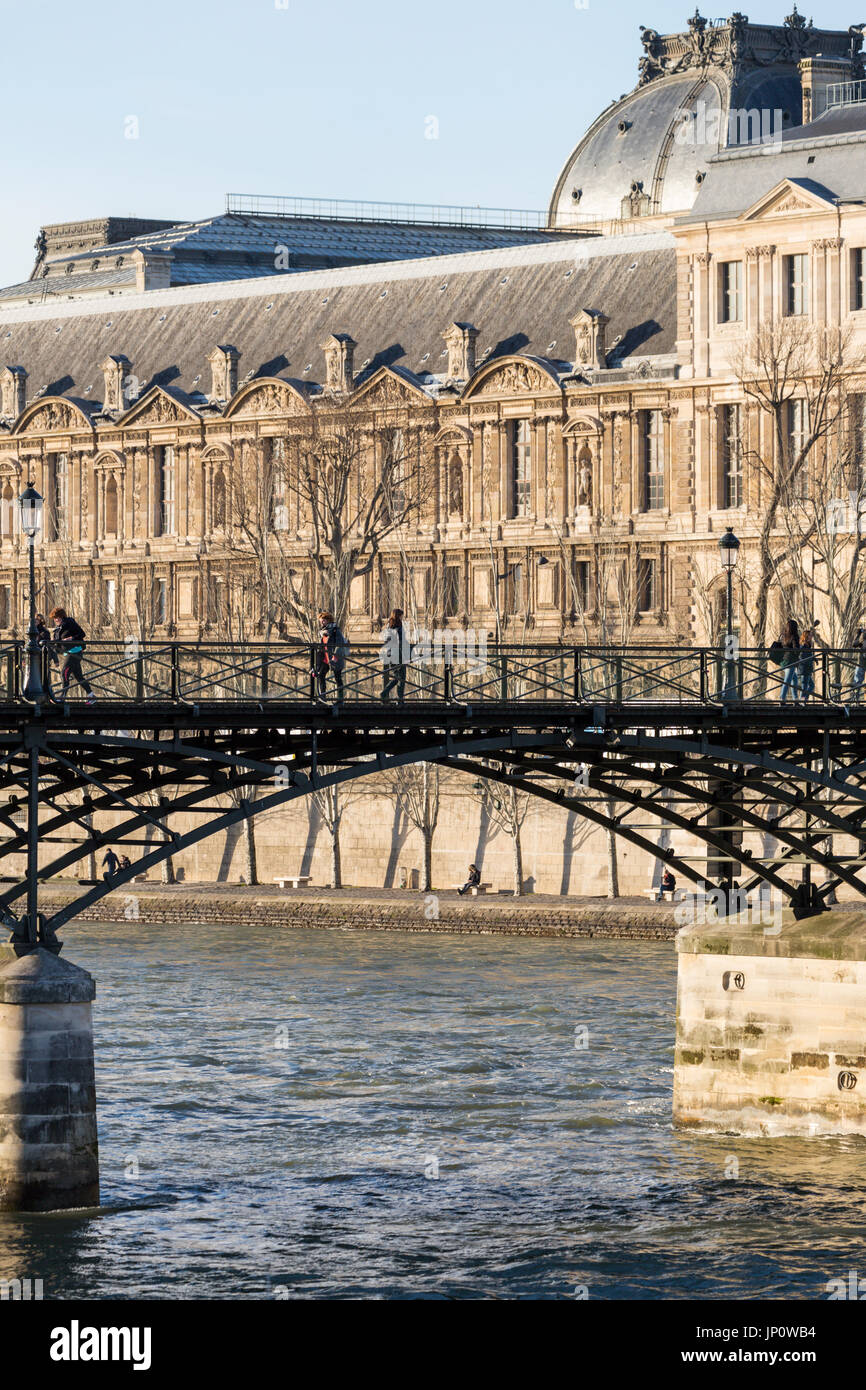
[(69, 641), (330, 655), (807, 665), (790, 659), (396, 653)]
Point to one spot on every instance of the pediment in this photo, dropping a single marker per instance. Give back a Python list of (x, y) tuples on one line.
[(386, 388), (158, 408), (791, 195), (267, 396), (51, 414), (513, 376)]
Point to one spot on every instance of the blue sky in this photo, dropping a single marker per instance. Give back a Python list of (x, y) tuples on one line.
[(319, 98)]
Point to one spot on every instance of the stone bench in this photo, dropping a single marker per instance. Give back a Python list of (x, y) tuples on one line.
[(657, 896), (480, 888), (293, 881)]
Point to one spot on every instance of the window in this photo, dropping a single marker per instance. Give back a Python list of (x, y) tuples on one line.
[(858, 278), (797, 284), (109, 595), (57, 495), (5, 605), (652, 426), (452, 605), (857, 446), (647, 586), (731, 306), (216, 608), (732, 456), (7, 511), (219, 498), (110, 527), (521, 468), (160, 601), (165, 493), (583, 585), (514, 601), (277, 461), (798, 435)]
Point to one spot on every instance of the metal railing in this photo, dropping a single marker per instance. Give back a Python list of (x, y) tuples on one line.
[(845, 93), (239, 672)]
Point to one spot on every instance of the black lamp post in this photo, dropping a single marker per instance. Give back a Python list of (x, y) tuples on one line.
[(729, 547), (30, 511)]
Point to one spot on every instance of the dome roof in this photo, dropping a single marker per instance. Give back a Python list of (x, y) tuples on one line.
[(722, 82)]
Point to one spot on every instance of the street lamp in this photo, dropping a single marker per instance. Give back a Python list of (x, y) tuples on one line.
[(30, 511), (729, 547)]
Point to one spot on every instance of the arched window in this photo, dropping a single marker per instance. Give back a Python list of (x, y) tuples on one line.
[(110, 527), (7, 511), (219, 498)]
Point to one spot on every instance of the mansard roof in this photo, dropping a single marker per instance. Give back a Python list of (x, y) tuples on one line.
[(521, 299)]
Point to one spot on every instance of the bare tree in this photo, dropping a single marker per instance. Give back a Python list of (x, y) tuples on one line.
[(506, 808), (416, 788)]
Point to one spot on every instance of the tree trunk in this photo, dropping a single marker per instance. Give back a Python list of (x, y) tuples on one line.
[(518, 862), (336, 867), (428, 859), (167, 867), (250, 851), (612, 864)]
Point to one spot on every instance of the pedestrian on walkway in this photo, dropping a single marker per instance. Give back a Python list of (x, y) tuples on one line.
[(790, 659), (396, 653), (330, 655), (69, 640), (807, 665)]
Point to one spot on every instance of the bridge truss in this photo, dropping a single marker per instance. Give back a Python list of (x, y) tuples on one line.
[(188, 742)]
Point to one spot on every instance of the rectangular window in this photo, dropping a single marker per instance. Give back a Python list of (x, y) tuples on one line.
[(278, 452), (452, 605), (652, 426), (647, 586), (857, 444), (216, 610), (798, 435), (58, 495), (730, 424), (858, 278), (165, 490), (514, 601), (160, 601), (110, 597), (5, 605), (797, 283), (583, 585), (731, 292), (521, 468)]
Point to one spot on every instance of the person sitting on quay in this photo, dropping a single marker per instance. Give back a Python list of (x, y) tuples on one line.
[(667, 885), (111, 864), (472, 881)]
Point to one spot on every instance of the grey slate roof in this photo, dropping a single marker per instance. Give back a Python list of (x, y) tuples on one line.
[(234, 247), (828, 155), (520, 299)]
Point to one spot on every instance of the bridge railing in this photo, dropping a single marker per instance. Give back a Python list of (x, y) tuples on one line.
[(238, 672)]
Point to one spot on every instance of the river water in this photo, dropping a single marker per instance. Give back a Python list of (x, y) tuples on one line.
[(347, 1114)]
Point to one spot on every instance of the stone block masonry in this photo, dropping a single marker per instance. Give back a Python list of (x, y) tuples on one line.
[(771, 1030)]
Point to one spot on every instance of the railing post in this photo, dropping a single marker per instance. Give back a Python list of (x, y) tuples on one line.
[(449, 684), (10, 675), (618, 661), (139, 679), (703, 675), (825, 676), (578, 693), (313, 651), (265, 675), (503, 678), (175, 672)]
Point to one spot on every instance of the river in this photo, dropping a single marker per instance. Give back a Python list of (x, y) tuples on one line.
[(349, 1114)]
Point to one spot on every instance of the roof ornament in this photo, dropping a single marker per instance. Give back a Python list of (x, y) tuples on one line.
[(795, 20)]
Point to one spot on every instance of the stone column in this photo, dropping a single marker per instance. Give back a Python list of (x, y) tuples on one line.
[(49, 1157)]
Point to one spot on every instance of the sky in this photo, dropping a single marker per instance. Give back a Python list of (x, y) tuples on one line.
[(160, 109)]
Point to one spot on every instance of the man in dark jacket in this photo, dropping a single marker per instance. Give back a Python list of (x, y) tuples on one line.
[(330, 655), (69, 639)]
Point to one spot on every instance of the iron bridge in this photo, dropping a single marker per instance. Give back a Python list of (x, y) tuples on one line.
[(189, 740)]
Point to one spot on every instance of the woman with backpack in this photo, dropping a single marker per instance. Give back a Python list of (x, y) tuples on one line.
[(69, 640)]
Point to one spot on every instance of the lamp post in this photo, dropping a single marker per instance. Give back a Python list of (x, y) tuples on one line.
[(729, 547), (30, 511)]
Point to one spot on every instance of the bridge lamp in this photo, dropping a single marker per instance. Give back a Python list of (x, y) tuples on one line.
[(30, 512), (729, 549)]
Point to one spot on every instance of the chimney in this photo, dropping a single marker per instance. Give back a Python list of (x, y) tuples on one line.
[(13, 391), (116, 372), (816, 75), (339, 352), (589, 338), (460, 340), (224, 372), (152, 270)]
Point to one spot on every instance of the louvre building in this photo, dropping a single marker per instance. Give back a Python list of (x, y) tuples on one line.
[(562, 396)]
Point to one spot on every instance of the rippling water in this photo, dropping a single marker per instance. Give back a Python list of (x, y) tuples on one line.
[(273, 1109)]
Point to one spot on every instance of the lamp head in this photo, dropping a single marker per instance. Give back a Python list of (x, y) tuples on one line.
[(729, 547), (30, 511)]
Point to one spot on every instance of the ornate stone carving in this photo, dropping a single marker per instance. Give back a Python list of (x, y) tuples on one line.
[(387, 392), (514, 379), (13, 391), (339, 352), (271, 398), (224, 371), (162, 410), (589, 334), (460, 340), (116, 372), (584, 478), (53, 416)]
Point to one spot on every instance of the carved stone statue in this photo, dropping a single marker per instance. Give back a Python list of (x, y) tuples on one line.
[(584, 479), (455, 487)]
